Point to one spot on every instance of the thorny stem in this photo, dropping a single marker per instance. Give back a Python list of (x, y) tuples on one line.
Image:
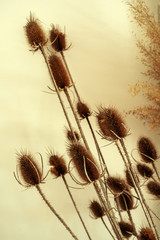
[(107, 228), (54, 212), (74, 203), (135, 180), (156, 171)]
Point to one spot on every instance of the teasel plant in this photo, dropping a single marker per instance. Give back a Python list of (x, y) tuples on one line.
[(116, 199)]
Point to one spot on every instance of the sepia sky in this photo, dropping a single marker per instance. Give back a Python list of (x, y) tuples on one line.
[(103, 62)]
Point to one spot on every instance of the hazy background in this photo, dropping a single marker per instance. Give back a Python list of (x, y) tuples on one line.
[(103, 62)]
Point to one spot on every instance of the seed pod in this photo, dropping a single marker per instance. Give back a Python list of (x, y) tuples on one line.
[(125, 201), (84, 162), (116, 184), (59, 165), (146, 234), (154, 188), (96, 209), (111, 124), (71, 137), (58, 39), (144, 170), (29, 170), (59, 72), (83, 110), (147, 150), (127, 229), (34, 32)]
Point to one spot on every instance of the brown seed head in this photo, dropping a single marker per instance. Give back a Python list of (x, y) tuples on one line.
[(111, 124), (144, 170), (59, 165), (71, 137), (84, 162), (146, 234), (147, 150), (154, 188), (83, 110), (59, 72), (58, 39), (96, 209), (116, 184), (34, 32), (125, 201), (29, 170), (126, 229), (129, 178)]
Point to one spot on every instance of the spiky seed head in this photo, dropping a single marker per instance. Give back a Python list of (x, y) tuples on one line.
[(146, 233), (34, 32), (84, 162), (72, 137), (111, 124), (125, 201), (144, 170), (154, 188), (116, 184), (129, 178), (126, 229), (59, 72), (29, 170), (83, 110), (147, 150), (59, 165), (96, 209), (58, 39)]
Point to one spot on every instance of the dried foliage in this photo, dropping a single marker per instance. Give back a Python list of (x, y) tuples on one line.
[(149, 46)]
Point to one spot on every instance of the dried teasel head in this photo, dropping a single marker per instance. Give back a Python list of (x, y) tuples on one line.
[(83, 110), (127, 229), (147, 150), (116, 184), (58, 165), (146, 234), (96, 209), (144, 170), (129, 178), (84, 162), (34, 32), (28, 171), (72, 136), (125, 201), (59, 72), (154, 188), (111, 124), (58, 39)]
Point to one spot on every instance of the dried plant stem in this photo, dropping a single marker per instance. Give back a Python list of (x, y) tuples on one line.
[(107, 228), (112, 221), (132, 223), (156, 171), (136, 183), (76, 117), (54, 212), (69, 73), (74, 203), (56, 88)]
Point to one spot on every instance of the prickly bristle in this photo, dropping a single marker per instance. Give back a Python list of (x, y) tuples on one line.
[(84, 162), (146, 234), (34, 32), (127, 229), (96, 209), (111, 124), (125, 201), (59, 72), (129, 178), (83, 110), (72, 136), (58, 39), (154, 188), (58, 164), (147, 150), (144, 170), (29, 170), (116, 184)]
